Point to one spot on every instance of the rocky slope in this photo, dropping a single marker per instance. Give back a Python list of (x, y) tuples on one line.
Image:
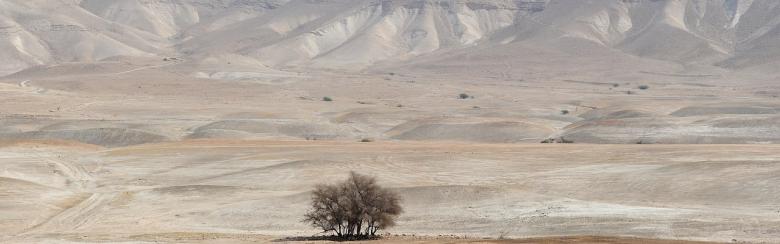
[(359, 33)]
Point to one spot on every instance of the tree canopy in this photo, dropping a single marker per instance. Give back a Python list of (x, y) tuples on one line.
[(357, 207)]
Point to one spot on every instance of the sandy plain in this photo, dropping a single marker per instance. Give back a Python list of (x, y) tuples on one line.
[(140, 153)]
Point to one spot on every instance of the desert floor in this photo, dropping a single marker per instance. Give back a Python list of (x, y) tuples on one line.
[(73, 192), (140, 151)]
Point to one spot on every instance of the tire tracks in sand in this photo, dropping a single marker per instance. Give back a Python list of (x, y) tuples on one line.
[(88, 210), (84, 211)]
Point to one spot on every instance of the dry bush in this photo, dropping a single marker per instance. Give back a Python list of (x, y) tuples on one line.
[(354, 209)]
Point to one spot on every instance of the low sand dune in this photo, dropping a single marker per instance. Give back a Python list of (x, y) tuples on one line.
[(713, 110), (270, 128), (108, 137), (498, 132)]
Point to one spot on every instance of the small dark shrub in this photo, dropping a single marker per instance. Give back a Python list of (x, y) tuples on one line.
[(327, 99), (559, 140), (464, 96), (564, 112), (643, 87)]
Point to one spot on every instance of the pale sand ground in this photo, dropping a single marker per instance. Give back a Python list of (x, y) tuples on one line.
[(149, 152), (694, 192)]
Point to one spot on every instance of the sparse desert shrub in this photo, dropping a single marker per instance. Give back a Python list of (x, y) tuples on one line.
[(464, 96), (353, 209), (503, 235), (643, 87), (558, 140), (615, 85), (327, 99), (366, 140), (564, 112)]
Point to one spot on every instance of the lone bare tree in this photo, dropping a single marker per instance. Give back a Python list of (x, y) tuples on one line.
[(353, 209)]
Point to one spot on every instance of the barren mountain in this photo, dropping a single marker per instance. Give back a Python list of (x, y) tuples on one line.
[(356, 34), (589, 58)]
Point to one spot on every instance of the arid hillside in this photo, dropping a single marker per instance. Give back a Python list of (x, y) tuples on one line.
[(356, 34)]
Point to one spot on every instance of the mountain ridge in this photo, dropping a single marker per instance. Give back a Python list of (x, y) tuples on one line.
[(357, 34)]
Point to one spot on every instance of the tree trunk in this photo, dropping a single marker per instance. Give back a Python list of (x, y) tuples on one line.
[(370, 229)]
